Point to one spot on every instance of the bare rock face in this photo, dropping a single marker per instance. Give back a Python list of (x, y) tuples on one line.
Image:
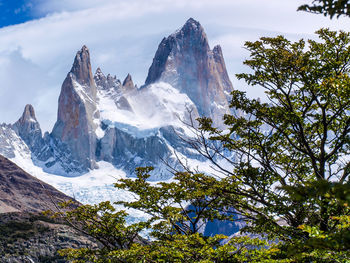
[(128, 151), (185, 60), (75, 126), (128, 84), (29, 238), (81, 69), (113, 82), (221, 71), (28, 128)]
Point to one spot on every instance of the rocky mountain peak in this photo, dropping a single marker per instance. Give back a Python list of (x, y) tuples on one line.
[(106, 82), (185, 61), (221, 69), (187, 41), (111, 78), (100, 79), (28, 128), (193, 22), (113, 82), (28, 115), (128, 84), (192, 28), (81, 68), (191, 32), (75, 126), (99, 73)]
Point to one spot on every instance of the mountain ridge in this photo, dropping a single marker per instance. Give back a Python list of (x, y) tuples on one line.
[(101, 118), (106, 127)]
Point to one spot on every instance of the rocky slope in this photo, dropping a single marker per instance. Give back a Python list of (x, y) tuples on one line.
[(33, 238), (25, 234), (21, 192)]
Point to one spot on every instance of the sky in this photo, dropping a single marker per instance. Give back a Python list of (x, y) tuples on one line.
[(39, 39)]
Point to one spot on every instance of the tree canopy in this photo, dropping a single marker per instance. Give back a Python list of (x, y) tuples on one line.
[(328, 7), (282, 164)]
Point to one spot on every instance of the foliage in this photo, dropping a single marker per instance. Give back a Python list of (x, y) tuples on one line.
[(300, 137), (167, 202), (102, 222), (283, 165), (328, 7)]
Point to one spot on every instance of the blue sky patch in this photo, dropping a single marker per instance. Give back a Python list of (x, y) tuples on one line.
[(14, 12)]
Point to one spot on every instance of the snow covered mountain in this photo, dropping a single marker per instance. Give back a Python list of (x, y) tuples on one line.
[(104, 124), (185, 61)]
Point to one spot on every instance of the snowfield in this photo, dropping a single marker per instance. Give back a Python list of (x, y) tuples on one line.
[(152, 107)]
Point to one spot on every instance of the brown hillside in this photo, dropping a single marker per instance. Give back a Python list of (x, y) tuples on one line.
[(21, 192)]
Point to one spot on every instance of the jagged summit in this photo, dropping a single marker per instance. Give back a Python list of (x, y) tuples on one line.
[(101, 118), (106, 82), (81, 68), (193, 22), (100, 78), (128, 84), (75, 126), (99, 72), (221, 70), (28, 119), (190, 36), (192, 28), (28, 115), (28, 128), (127, 79), (185, 61)]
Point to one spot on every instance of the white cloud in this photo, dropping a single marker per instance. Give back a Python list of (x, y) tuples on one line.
[(22, 82), (123, 36)]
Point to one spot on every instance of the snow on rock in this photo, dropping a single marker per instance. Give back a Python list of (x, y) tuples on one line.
[(155, 106), (11, 144), (75, 127), (106, 128), (91, 188), (185, 60)]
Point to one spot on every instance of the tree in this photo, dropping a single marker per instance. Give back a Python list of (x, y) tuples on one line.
[(298, 140), (283, 165), (328, 7), (175, 228)]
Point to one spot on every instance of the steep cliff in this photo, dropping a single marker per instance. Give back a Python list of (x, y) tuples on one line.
[(77, 113), (185, 61)]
